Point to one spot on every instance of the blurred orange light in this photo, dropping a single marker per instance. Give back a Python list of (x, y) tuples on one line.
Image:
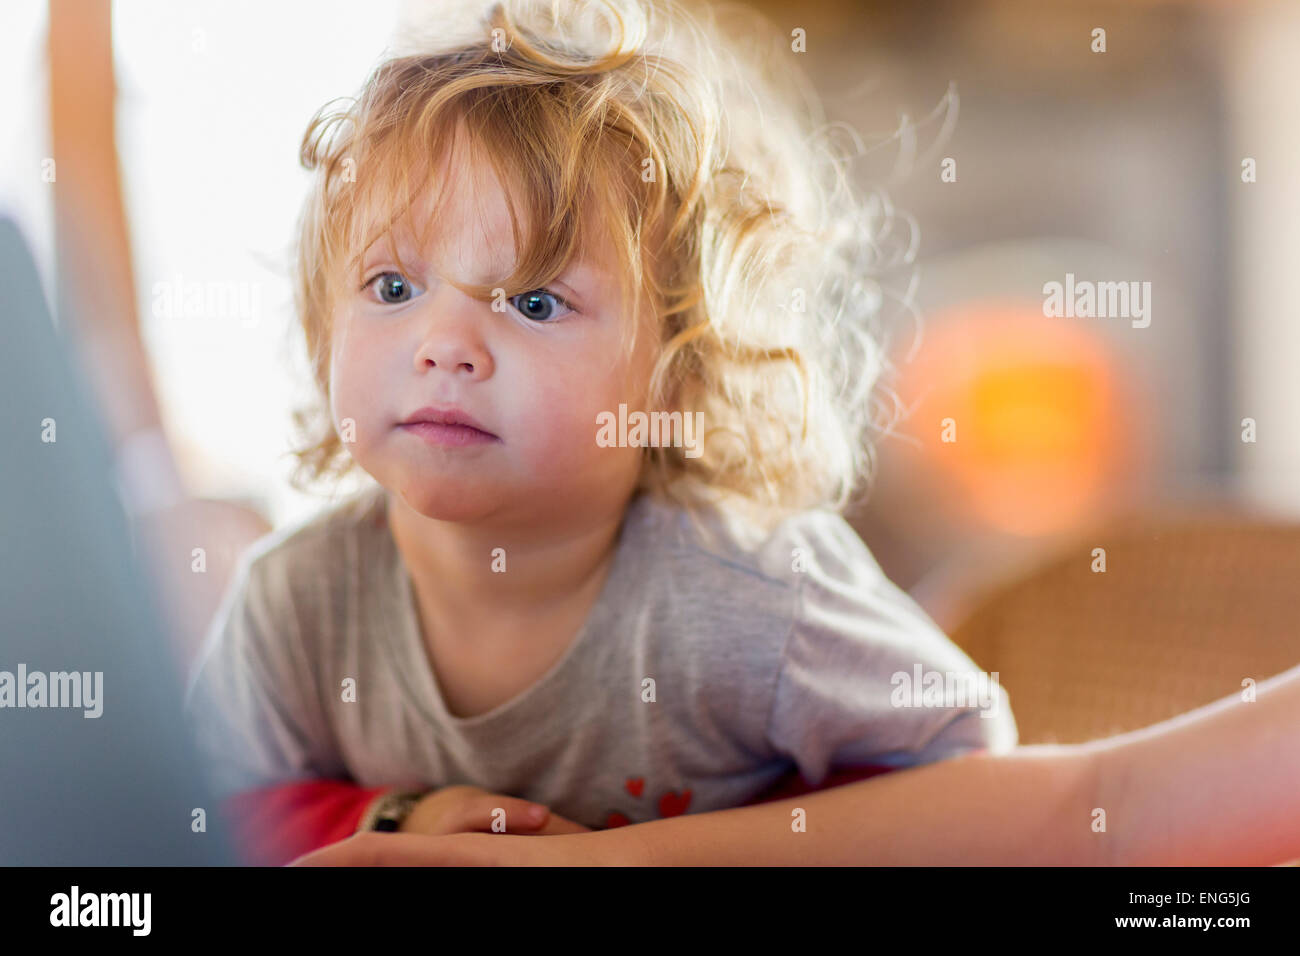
[(1036, 419)]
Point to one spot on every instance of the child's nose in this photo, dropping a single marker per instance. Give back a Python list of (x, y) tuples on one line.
[(452, 335)]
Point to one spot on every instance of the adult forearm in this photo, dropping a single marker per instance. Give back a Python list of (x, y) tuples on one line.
[(1029, 807), (1218, 786)]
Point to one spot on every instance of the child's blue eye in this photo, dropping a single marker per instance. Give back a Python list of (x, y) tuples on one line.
[(392, 288), (540, 305)]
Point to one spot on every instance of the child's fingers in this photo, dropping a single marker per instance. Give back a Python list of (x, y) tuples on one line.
[(481, 811), (557, 824)]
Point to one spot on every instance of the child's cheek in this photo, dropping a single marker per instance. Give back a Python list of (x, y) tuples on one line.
[(356, 393), (554, 416)]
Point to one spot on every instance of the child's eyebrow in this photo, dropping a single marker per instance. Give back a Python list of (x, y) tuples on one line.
[(380, 250)]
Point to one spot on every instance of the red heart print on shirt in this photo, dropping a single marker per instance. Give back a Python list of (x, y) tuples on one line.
[(672, 804)]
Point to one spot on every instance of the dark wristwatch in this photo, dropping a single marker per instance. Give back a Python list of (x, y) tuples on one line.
[(387, 811)]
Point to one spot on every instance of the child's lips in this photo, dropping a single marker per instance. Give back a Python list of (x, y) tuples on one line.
[(447, 424), (449, 435)]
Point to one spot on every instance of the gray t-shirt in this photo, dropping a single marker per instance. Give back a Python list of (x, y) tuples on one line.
[(766, 653)]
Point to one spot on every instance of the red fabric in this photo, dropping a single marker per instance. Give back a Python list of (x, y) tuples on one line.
[(278, 824)]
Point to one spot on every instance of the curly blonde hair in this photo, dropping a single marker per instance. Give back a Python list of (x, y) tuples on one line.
[(638, 124)]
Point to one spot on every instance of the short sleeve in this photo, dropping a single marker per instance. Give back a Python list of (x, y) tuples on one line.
[(251, 700), (866, 677)]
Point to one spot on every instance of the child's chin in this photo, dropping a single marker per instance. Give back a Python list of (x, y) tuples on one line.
[(449, 500)]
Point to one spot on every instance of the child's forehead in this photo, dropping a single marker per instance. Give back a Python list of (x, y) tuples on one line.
[(460, 221), (455, 198)]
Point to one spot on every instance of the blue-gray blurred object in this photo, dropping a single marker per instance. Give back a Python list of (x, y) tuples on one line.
[(120, 788)]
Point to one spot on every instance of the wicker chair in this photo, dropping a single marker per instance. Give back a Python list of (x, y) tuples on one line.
[(1185, 611)]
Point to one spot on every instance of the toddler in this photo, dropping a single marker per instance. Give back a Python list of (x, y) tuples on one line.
[(586, 300)]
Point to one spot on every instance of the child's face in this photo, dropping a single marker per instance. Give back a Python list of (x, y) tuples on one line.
[(535, 379)]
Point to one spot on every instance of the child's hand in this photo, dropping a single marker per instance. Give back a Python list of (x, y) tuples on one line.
[(466, 809)]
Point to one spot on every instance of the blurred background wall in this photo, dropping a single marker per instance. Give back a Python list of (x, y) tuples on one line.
[(1114, 166), (1117, 166)]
